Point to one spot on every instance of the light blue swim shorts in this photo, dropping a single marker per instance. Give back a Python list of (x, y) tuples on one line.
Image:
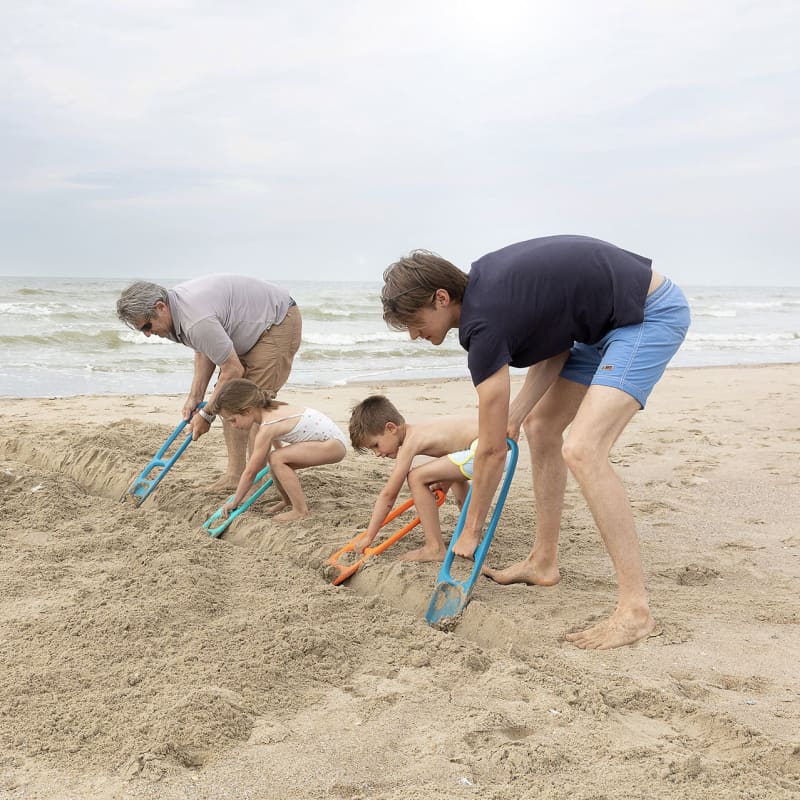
[(465, 459), (633, 358)]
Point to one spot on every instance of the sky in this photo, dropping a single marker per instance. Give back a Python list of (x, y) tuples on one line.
[(323, 140)]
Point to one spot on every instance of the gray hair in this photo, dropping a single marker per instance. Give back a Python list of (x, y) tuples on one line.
[(138, 302)]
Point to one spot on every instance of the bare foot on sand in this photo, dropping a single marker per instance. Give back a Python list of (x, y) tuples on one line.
[(291, 516), (225, 483), (274, 508), (524, 572), (425, 553), (621, 628)]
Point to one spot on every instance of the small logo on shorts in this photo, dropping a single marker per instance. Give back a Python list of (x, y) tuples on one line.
[(607, 367)]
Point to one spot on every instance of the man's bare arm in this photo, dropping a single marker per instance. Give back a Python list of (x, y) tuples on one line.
[(204, 367), (493, 399)]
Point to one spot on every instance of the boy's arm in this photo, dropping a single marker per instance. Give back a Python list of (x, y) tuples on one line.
[(388, 495)]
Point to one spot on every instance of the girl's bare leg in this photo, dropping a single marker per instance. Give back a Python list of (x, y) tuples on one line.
[(284, 463)]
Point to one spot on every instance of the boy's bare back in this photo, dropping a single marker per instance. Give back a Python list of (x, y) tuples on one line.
[(440, 437)]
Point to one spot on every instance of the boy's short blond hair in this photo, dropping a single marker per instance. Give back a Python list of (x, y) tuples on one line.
[(369, 418)]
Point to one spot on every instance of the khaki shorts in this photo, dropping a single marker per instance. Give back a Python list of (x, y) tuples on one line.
[(269, 361)]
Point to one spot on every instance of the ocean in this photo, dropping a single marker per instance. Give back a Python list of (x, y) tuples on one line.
[(60, 337)]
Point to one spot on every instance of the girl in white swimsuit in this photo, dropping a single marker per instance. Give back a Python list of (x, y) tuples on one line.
[(289, 437)]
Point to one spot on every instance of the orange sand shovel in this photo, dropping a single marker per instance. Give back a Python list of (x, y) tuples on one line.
[(348, 570)]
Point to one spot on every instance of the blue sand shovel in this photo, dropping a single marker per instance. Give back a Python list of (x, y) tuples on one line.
[(450, 596), (144, 485), (216, 531)]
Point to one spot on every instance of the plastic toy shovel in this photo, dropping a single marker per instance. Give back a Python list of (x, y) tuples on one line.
[(216, 530), (347, 570), (450, 596), (159, 465)]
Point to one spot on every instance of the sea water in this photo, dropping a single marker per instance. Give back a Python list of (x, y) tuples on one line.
[(61, 336)]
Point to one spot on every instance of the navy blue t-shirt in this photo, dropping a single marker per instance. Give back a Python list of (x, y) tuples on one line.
[(533, 300)]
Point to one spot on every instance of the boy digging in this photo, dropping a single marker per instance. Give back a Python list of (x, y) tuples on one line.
[(376, 425)]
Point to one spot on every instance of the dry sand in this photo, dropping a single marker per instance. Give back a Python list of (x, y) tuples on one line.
[(143, 659)]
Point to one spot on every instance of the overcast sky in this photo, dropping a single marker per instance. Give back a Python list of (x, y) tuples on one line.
[(300, 139)]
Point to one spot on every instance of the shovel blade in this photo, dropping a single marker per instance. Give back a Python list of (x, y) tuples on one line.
[(263, 478), (448, 600)]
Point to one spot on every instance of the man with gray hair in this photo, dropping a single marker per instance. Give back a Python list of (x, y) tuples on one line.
[(245, 326)]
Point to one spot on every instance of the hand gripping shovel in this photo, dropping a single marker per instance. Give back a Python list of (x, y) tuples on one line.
[(217, 530), (450, 597), (347, 570), (149, 478)]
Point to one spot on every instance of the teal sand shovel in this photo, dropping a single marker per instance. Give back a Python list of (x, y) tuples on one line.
[(450, 597), (160, 464), (263, 481)]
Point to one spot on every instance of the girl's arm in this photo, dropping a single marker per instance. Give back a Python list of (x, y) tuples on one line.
[(256, 462), (266, 436)]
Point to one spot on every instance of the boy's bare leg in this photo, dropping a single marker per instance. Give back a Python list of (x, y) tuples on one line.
[(600, 420), (236, 444), (544, 428), (419, 480)]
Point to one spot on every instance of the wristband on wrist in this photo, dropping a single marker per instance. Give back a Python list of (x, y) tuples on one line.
[(209, 418)]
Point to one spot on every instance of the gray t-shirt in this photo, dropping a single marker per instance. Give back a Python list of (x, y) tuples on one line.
[(219, 314)]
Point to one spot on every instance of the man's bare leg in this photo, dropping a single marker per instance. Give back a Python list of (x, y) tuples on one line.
[(544, 428), (600, 420), (236, 443)]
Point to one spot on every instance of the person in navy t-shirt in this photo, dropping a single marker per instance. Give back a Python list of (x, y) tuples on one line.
[(596, 326)]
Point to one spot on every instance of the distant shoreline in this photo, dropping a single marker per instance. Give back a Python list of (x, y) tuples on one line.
[(400, 383)]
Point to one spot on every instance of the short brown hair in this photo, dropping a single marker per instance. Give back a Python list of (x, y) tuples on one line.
[(369, 418), (410, 285)]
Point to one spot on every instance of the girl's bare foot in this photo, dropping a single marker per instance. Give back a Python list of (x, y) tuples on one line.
[(291, 516), (274, 508), (524, 572), (621, 628), (426, 553)]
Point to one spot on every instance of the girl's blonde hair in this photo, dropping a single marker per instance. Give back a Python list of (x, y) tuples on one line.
[(239, 394)]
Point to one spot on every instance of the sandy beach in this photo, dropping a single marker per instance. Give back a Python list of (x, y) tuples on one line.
[(144, 659)]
